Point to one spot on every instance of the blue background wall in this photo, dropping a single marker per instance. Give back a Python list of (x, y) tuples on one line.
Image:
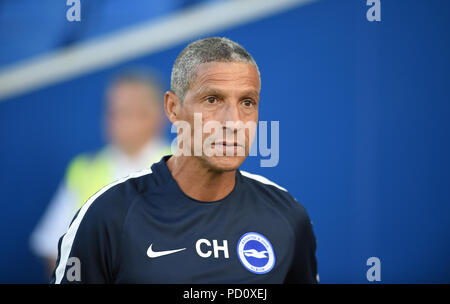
[(364, 136)]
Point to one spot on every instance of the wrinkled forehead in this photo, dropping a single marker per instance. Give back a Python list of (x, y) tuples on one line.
[(239, 76)]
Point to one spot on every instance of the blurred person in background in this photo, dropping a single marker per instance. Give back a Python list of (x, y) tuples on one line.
[(155, 226), (134, 123)]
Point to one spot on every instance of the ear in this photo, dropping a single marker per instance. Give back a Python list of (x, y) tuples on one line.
[(172, 106)]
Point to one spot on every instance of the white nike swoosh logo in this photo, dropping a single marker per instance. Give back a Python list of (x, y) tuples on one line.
[(154, 254)]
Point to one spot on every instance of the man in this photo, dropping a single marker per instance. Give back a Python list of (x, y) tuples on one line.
[(133, 127), (195, 217)]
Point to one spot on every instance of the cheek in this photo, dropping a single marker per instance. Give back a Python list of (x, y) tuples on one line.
[(142, 125), (191, 117), (127, 125), (254, 116)]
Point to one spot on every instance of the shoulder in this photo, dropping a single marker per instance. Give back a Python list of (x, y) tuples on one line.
[(85, 163), (278, 197), (111, 203), (86, 158), (78, 163), (261, 180)]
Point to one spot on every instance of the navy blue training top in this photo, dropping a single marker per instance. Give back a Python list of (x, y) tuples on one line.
[(145, 229)]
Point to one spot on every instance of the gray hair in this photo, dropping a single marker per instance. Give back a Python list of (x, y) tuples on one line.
[(213, 49)]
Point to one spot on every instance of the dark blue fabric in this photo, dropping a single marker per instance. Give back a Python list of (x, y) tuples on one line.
[(120, 225)]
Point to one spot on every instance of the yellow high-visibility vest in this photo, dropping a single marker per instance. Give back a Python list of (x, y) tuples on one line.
[(86, 174)]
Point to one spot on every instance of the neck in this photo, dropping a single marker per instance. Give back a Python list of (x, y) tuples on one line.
[(134, 151), (198, 181)]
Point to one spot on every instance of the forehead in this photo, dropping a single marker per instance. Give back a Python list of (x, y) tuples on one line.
[(131, 95), (236, 75), (130, 88)]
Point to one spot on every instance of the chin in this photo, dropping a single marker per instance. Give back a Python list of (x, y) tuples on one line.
[(224, 163)]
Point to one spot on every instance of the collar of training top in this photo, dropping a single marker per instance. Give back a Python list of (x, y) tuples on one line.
[(164, 176)]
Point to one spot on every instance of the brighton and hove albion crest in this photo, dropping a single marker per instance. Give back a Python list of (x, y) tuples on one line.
[(256, 253)]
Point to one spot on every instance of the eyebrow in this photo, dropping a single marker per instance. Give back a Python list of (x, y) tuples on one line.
[(215, 91), (212, 91)]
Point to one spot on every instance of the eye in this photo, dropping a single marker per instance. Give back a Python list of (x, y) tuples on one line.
[(248, 103), (211, 100)]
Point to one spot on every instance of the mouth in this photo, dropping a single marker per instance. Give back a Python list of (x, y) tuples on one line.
[(224, 148), (227, 144)]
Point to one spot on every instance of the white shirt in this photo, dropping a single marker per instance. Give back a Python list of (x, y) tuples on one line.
[(63, 206)]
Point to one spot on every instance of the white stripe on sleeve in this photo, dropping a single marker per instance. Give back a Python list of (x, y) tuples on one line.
[(261, 179), (67, 241)]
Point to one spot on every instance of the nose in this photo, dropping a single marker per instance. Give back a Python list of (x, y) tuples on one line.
[(231, 113)]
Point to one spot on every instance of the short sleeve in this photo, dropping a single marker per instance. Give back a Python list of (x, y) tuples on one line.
[(89, 252), (303, 269)]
